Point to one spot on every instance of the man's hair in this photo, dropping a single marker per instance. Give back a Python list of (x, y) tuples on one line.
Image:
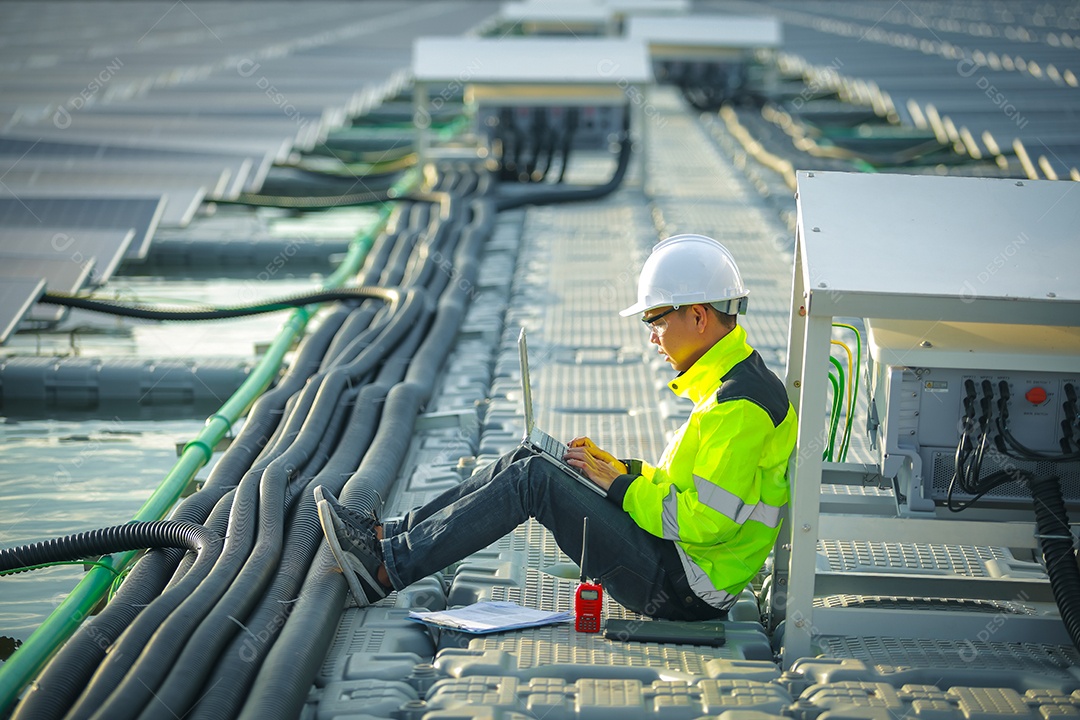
[(728, 321)]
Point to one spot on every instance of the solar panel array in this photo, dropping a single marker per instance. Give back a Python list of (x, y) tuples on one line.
[(989, 77), (126, 118)]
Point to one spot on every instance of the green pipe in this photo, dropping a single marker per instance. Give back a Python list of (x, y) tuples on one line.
[(62, 623)]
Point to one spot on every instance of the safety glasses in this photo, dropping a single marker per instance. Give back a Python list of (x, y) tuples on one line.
[(656, 323)]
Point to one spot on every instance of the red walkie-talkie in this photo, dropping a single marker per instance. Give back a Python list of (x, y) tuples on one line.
[(589, 598)]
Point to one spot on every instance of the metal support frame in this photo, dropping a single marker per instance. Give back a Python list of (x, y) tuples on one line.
[(842, 208)]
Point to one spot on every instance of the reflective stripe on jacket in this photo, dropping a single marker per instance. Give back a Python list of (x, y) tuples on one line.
[(719, 487)]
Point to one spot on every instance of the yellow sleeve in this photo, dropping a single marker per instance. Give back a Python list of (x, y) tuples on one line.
[(711, 484)]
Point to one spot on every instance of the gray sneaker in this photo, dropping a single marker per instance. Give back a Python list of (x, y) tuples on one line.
[(352, 541)]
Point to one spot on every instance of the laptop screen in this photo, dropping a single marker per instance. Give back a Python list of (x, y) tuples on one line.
[(526, 382)]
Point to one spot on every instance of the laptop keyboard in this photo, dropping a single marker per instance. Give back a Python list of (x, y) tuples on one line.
[(548, 444), (554, 449)]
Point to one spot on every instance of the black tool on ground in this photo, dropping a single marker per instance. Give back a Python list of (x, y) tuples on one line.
[(678, 632), (589, 598)]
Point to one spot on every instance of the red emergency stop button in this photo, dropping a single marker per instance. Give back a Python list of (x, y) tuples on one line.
[(1036, 395)]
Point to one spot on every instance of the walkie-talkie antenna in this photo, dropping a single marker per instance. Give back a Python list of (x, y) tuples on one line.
[(584, 546)]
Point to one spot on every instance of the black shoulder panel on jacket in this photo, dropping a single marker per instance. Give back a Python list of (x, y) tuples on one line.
[(752, 380)]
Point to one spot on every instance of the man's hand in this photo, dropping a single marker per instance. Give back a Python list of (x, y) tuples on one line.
[(598, 465)]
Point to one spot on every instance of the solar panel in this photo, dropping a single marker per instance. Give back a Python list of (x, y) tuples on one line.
[(245, 167), (219, 175), (253, 140), (140, 213), (17, 296), (184, 194), (73, 245), (62, 275)]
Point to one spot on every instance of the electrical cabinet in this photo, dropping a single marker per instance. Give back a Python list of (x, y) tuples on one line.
[(931, 381), (530, 94), (712, 57), (967, 285)]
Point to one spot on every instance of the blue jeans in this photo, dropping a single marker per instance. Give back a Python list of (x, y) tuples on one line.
[(639, 570)]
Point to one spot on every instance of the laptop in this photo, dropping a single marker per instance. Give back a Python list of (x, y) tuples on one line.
[(545, 446)]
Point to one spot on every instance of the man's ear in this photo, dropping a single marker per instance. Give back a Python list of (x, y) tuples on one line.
[(701, 316)]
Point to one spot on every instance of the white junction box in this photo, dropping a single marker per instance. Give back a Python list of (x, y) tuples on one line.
[(535, 91), (556, 17), (713, 53)]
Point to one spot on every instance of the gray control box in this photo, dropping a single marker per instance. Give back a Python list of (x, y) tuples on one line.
[(929, 382)]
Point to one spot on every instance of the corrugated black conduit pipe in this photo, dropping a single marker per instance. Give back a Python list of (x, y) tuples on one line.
[(190, 667), (131, 644), (1056, 540), (172, 665), (319, 345), (148, 630), (249, 646), (285, 678), (226, 687), (549, 196), (69, 672), (105, 541)]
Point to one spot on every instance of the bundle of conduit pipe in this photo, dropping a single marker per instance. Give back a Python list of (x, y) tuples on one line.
[(247, 550)]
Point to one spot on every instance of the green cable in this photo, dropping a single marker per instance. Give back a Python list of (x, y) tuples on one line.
[(114, 587), (338, 168), (25, 663), (863, 166), (855, 388), (92, 563), (826, 454), (834, 420), (452, 128)]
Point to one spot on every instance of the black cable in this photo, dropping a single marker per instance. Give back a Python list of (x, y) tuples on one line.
[(1056, 540), (171, 668), (507, 133), (968, 459), (518, 158), (284, 680), (288, 202), (1025, 453), (70, 671), (104, 541), (202, 312), (549, 196), (277, 433), (963, 448), (143, 652), (235, 669), (1069, 407), (568, 141), (551, 140), (175, 683), (986, 485), (536, 143)]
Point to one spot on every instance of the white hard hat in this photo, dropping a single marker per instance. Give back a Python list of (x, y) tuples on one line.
[(688, 270)]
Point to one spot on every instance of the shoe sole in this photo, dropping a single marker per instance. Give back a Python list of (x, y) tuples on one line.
[(326, 520)]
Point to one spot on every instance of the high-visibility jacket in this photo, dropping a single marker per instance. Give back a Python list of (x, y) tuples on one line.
[(719, 487)]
